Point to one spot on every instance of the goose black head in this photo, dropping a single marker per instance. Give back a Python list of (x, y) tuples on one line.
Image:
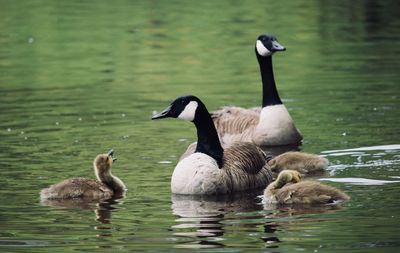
[(183, 108), (267, 44)]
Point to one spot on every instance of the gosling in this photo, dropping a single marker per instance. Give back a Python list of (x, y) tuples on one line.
[(287, 189), (309, 165), (106, 186)]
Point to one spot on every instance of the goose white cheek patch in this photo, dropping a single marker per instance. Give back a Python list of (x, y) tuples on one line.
[(189, 112), (262, 50)]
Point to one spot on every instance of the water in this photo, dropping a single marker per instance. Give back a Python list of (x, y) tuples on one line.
[(78, 78)]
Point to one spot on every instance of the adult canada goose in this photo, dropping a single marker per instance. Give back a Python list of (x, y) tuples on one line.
[(106, 185), (305, 163), (287, 189), (270, 125), (211, 170)]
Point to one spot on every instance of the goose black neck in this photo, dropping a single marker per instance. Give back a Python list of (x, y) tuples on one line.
[(207, 137), (270, 93)]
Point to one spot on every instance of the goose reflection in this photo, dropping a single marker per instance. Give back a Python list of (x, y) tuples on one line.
[(278, 150), (269, 237), (102, 208), (279, 219), (204, 217)]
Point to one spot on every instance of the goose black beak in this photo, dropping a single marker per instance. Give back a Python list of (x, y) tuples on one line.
[(277, 47), (164, 114)]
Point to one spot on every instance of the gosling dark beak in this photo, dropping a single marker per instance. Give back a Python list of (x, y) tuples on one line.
[(164, 114), (277, 47), (111, 152)]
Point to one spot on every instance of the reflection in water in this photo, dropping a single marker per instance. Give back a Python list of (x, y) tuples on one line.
[(277, 150), (102, 209), (73, 82), (359, 181), (279, 211), (278, 216), (205, 214), (369, 158), (206, 220), (269, 236)]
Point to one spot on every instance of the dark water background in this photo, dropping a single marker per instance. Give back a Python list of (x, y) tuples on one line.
[(80, 77)]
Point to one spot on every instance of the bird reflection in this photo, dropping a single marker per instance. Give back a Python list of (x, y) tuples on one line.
[(204, 216), (270, 238), (277, 150), (280, 211), (102, 209), (277, 216)]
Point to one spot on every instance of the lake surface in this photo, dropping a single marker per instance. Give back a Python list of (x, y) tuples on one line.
[(79, 77)]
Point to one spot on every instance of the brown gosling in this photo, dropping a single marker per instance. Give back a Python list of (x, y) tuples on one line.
[(289, 189), (305, 163), (106, 186)]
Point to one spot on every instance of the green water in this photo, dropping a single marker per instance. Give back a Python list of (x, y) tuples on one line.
[(80, 77)]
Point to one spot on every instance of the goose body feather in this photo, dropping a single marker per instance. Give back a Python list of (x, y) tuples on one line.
[(268, 126), (244, 168)]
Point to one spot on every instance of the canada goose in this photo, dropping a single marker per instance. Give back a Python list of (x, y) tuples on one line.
[(106, 185), (211, 170), (287, 189), (270, 125), (305, 163)]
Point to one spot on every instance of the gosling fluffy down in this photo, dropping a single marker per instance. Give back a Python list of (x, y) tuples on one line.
[(106, 185), (307, 164), (289, 189)]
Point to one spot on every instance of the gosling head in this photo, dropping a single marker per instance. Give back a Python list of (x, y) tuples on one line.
[(103, 163), (184, 107), (267, 44), (289, 176)]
